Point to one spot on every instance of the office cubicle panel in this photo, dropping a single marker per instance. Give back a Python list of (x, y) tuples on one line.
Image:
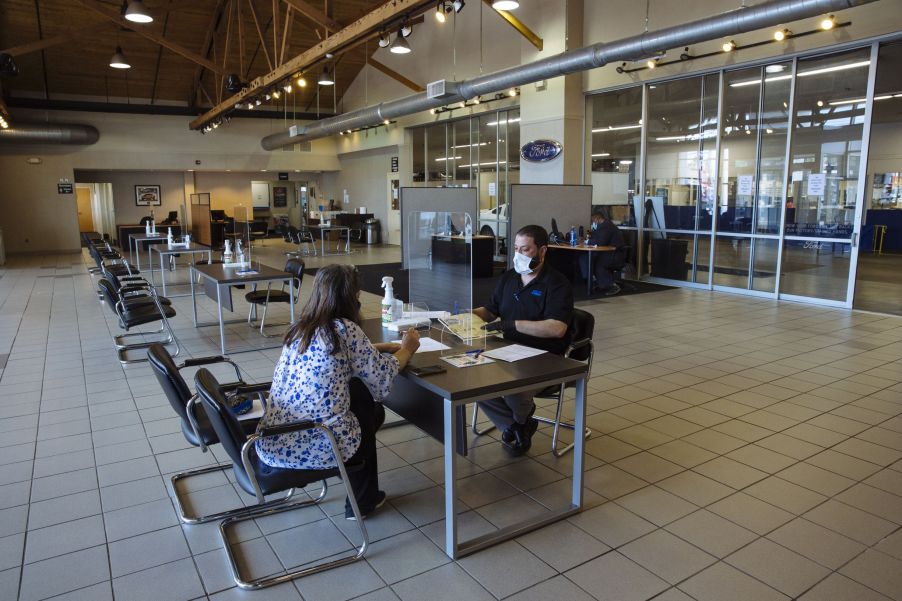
[(445, 200), (537, 204)]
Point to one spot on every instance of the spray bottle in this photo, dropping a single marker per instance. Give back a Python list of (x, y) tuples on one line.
[(227, 253), (169, 239), (239, 251), (388, 302)]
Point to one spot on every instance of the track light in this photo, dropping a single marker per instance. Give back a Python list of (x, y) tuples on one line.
[(301, 81), (276, 94), (287, 87), (458, 5), (250, 106), (258, 102), (512, 92), (325, 78), (268, 97), (782, 34), (406, 30), (385, 122), (233, 83), (440, 12), (729, 46), (505, 5), (651, 63), (828, 22), (400, 46), (118, 60), (476, 100), (137, 13), (384, 40)]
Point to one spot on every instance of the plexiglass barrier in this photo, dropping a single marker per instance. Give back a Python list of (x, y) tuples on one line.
[(241, 236)]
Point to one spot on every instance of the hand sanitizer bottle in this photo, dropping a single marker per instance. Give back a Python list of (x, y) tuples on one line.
[(388, 302), (169, 239), (239, 251), (147, 228), (227, 253)]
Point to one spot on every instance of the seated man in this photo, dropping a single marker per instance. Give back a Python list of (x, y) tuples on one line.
[(533, 303), (604, 233)]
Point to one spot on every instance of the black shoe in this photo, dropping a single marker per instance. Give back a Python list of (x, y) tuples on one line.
[(508, 436), (614, 289), (365, 513), (522, 437)]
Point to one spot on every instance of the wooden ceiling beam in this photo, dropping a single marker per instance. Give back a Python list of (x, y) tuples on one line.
[(150, 35), (352, 35), (257, 19), (315, 15), (56, 40), (395, 75), (205, 50), (521, 27), (286, 33), (156, 71)]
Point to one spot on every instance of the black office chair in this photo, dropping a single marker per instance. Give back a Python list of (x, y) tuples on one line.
[(264, 297), (259, 229), (260, 479), (131, 316), (581, 348), (195, 426)]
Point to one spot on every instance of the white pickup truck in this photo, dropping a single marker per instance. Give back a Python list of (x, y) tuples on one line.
[(495, 219)]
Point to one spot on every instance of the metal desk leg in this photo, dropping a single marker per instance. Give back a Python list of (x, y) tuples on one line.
[(150, 260), (291, 298), (450, 480), (579, 425), (590, 274), (162, 274), (221, 324), (191, 278)]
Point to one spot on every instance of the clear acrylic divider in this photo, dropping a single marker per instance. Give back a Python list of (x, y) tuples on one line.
[(439, 254), (242, 244)]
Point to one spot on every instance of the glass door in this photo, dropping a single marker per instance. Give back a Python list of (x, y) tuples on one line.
[(828, 134)]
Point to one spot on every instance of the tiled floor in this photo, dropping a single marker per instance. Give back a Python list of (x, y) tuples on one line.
[(742, 449)]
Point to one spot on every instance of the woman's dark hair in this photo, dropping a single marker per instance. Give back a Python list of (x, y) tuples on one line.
[(334, 296)]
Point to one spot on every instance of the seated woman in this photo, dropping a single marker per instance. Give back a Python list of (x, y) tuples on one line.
[(330, 373)]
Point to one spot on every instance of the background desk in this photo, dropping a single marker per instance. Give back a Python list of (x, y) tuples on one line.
[(417, 398), (565, 258)]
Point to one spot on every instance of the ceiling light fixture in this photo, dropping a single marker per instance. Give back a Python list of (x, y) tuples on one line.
[(512, 92), (406, 29), (400, 45), (458, 5), (118, 60), (287, 87), (440, 12), (827, 23), (384, 40), (276, 94), (325, 78), (301, 81), (782, 34), (258, 102), (729, 46), (268, 97), (137, 12), (505, 4), (651, 63)]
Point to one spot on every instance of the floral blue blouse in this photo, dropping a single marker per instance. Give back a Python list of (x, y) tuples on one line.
[(313, 386)]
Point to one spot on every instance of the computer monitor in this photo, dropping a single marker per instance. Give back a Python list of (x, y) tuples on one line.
[(217, 215)]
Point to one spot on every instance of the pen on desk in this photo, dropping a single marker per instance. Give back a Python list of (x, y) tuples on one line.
[(474, 354)]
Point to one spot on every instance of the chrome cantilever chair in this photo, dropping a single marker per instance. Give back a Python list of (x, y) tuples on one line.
[(581, 348), (264, 297), (137, 311), (259, 479), (195, 426)]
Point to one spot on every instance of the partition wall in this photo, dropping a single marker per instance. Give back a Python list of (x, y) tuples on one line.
[(746, 179)]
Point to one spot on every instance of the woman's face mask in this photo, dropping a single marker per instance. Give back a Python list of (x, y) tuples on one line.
[(522, 264), (594, 225)]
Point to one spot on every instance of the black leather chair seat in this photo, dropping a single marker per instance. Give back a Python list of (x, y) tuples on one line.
[(132, 302), (143, 314), (258, 297), (275, 479), (206, 428)]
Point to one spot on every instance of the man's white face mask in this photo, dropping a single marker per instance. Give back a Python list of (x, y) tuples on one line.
[(522, 264)]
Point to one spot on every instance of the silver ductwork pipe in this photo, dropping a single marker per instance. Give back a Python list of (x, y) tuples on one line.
[(645, 45), (49, 133)]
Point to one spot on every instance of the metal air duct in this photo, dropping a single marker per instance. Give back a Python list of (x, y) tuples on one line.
[(49, 133), (731, 23)]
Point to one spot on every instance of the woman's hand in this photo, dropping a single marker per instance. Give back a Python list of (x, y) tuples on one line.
[(410, 341)]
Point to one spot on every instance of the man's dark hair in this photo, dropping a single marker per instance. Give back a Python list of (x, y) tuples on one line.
[(601, 212), (536, 232)]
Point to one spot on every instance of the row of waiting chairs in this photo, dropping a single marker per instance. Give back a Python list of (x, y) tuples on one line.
[(133, 300)]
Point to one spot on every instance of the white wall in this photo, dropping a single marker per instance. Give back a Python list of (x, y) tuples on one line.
[(172, 191), (364, 175)]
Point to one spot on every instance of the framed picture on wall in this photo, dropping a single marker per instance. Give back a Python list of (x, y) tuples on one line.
[(148, 196)]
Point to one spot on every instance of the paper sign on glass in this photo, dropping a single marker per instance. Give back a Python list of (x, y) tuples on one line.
[(798, 176), (745, 185), (816, 184)]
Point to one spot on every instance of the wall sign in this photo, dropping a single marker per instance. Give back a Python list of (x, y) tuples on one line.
[(65, 189), (279, 196), (539, 151), (283, 176), (394, 164)]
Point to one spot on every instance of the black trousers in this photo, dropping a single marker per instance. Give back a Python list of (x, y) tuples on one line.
[(371, 415), (603, 264)]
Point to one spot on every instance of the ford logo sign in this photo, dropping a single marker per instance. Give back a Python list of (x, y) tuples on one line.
[(539, 151)]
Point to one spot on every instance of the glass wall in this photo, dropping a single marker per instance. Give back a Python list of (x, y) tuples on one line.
[(747, 173), (482, 151)]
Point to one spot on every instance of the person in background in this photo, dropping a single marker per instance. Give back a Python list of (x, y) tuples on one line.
[(532, 304), (604, 233), (330, 373)]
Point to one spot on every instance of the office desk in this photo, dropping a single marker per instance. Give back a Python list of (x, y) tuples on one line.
[(458, 387), (165, 251), (223, 278), (583, 249), (325, 229)]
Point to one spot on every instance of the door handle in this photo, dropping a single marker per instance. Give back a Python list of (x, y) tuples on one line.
[(855, 240)]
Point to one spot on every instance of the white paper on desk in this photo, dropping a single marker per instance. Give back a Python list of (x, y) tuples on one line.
[(428, 345), (513, 352), (425, 314)]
